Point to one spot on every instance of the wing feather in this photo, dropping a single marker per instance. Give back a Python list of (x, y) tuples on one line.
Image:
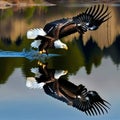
[(91, 103), (92, 18)]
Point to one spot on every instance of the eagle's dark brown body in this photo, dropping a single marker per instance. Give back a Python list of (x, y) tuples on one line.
[(68, 27)]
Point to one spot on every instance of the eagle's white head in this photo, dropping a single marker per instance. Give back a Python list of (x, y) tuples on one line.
[(59, 73), (33, 33), (59, 44)]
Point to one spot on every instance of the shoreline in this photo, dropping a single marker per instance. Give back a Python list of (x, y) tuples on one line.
[(5, 4)]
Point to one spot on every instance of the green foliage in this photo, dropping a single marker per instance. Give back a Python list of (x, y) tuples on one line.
[(6, 14), (29, 12), (25, 43), (7, 66)]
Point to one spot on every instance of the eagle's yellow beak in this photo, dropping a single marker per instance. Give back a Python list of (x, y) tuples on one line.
[(66, 47)]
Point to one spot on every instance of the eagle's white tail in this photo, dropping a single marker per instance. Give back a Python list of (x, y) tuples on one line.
[(33, 33)]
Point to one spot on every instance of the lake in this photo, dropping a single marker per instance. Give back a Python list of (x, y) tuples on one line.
[(92, 61)]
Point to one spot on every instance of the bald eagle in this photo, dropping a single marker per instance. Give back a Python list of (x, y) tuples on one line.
[(51, 34), (58, 87)]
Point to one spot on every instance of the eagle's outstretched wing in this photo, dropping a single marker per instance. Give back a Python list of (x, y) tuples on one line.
[(91, 103), (77, 96), (92, 18)]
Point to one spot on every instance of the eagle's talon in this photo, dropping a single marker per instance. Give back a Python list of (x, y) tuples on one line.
[(40, 63)]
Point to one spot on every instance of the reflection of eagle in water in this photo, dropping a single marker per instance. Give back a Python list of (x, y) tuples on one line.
[(77, 96), (55, 85), (50, 36)]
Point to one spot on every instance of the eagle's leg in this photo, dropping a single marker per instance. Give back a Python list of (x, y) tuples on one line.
[(42, 47), (44, 67), (41, 64), (42, 51)]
